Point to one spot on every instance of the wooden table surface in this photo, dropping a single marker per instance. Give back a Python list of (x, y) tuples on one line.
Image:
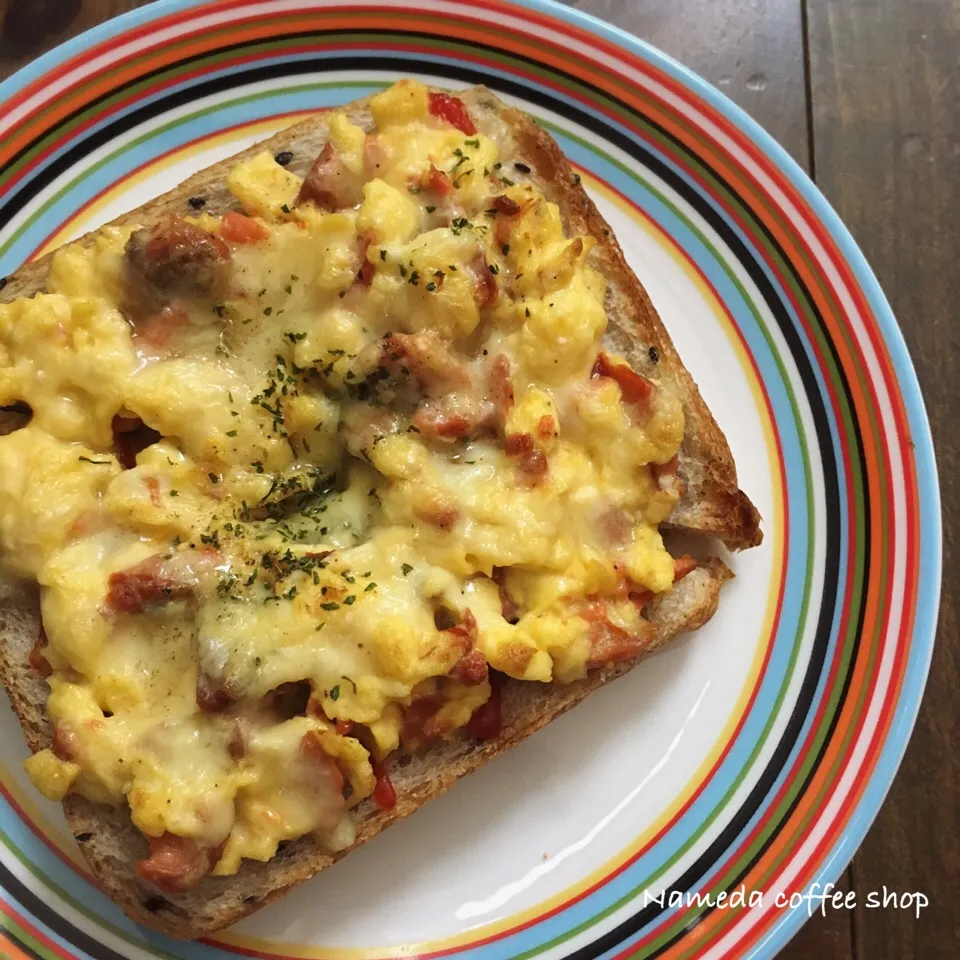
[(865, 94)]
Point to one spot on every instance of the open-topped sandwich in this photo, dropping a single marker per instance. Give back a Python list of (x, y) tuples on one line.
[(340, 469)]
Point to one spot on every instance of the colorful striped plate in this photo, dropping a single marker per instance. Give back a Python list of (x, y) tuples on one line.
[(749, 758)]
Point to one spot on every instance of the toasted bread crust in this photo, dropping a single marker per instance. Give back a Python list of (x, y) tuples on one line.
[(712, 504)]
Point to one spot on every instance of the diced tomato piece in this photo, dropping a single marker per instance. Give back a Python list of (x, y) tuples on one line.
[(595, 609), (134, 589), (532, 463), (365, 273), (435, 424), (546, 426), (508, 609), (438, 182), (533, 467), (315, 709), (37, 660), (156, 580), (179, 256), (153, 487), (485, 289), (427, 359), (451, 110), (367, 270), (634, 388), (455, 415), (158, 329), (237, 228), (611, 644), (312, 750), (384, 794), (682, 566), (212, 695), (500, 385), (66, 743), (471, 669), (515, 444), (487, 720), (466, 630), (640, 598), (176, 863), (419, 721), (329, 184)]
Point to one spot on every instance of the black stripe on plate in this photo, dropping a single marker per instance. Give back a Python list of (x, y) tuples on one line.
[(45, 913), (11, 937)]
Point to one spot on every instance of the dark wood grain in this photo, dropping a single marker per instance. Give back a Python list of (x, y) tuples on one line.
[(885, 81), (751, 49), (826, 936), (28, 27)]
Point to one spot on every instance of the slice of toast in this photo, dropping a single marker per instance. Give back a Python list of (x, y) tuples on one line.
[(712, 504)]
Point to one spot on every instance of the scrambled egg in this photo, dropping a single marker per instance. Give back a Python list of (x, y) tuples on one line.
[(296, 482)]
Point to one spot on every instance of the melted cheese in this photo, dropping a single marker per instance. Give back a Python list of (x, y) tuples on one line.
[(289, 454)]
